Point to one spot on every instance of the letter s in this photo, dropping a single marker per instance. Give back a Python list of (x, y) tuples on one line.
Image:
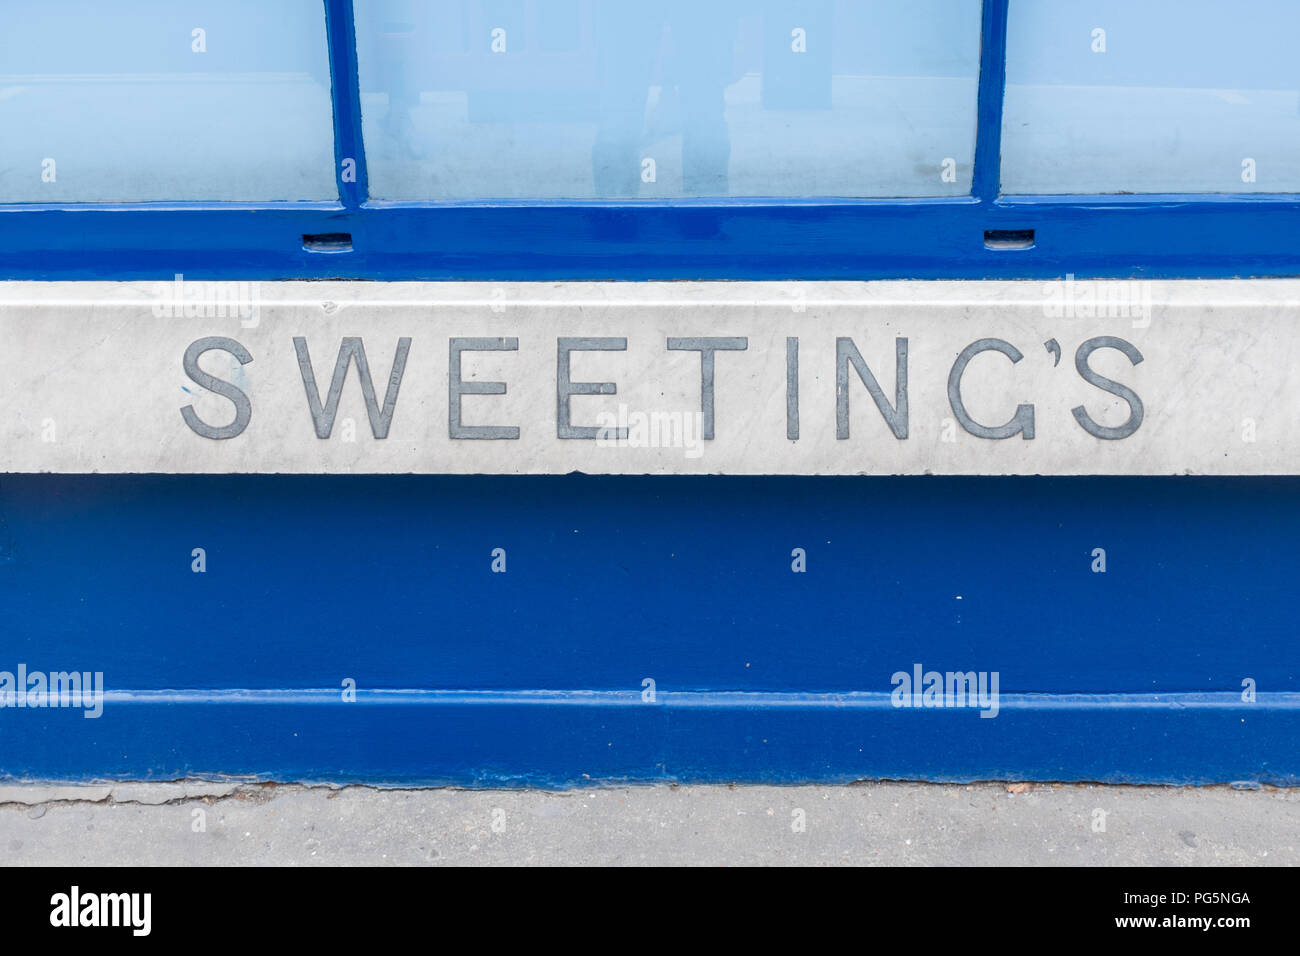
[(243, 407), (1106, 385)]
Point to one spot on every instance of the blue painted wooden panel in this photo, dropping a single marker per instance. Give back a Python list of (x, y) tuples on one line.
[(535, 675)]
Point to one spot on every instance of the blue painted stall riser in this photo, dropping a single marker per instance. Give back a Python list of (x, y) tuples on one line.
[(563, 630)]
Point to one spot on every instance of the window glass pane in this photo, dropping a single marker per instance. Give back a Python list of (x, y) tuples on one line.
[(1112, 96), (165, 100), (484, 99)]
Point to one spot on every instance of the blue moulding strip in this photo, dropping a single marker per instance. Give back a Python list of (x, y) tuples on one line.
[(1104, 236), (506, 743), (1177, 664)]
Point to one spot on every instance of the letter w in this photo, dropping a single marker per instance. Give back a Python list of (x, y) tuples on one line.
[(323, 417)]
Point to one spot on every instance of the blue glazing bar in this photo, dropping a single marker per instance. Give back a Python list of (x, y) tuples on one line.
[(993, 76), (349, 147)]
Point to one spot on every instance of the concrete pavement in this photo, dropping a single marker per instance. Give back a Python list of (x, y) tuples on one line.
[(233, 823)]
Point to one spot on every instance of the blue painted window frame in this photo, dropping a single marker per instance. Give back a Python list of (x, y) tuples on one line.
[(1151, 236)]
